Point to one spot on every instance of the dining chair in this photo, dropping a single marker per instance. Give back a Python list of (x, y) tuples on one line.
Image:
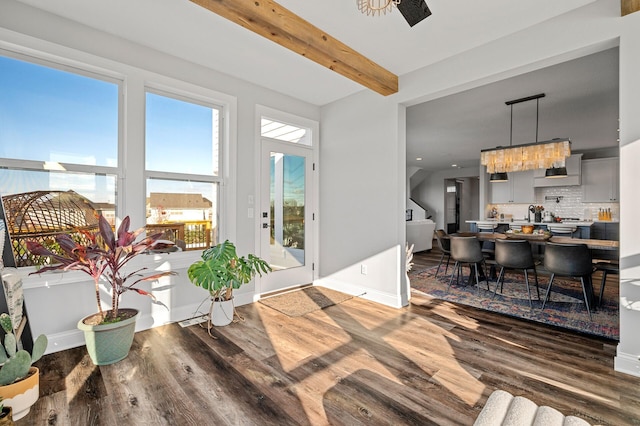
[(570, 260), (467, 250), (445, 248), (606, 268), (515, 254)]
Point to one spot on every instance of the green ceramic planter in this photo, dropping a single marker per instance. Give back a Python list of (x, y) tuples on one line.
[(109, 343)]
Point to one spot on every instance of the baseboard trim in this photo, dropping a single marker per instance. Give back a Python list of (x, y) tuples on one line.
[(627, 363), (387, 299)]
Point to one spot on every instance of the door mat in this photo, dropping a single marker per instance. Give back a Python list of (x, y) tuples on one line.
[(565, 307), (301, 302)]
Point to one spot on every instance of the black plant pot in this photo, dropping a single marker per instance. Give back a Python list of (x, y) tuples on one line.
[(538, 217)]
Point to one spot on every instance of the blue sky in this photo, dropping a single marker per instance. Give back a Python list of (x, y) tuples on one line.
[(52, 115)]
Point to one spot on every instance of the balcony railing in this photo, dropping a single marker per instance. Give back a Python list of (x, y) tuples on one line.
[(192, 235)]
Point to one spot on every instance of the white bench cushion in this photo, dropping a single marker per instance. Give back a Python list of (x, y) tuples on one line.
[(503, 409)]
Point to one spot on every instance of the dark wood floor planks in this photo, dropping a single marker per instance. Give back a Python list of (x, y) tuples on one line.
[(354, 363)]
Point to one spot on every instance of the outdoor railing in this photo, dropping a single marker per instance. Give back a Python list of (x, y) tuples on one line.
[(196, 235)]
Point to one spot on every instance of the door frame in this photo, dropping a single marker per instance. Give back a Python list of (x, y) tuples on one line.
[(314, 191)]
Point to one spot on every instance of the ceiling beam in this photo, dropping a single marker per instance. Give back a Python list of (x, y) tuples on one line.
[(271, 20), (629, 6)]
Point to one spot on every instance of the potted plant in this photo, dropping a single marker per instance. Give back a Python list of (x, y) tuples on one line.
[(19, 380), (6, 418), (220, 271), (108, 334)]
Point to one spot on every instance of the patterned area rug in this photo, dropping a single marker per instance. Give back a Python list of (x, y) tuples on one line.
[(565, 307), (301, 302)]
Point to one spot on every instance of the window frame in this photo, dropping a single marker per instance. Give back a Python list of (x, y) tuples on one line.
[(218, 179), (130, 172)]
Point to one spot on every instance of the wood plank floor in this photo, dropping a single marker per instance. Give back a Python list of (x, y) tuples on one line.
[(355, 363)]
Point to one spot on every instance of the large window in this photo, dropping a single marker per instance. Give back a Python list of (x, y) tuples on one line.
[(59, 135), (65, 152), (182, 167)]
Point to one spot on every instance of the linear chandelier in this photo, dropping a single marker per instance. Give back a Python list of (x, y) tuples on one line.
[(537, 155), (376, 7)]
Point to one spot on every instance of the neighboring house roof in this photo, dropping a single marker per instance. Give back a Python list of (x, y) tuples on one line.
[(170, 200)]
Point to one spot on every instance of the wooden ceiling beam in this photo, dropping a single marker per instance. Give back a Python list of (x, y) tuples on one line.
[(273, 21), (629, 6)]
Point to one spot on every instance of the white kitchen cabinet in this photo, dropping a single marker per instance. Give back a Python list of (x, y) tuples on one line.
[(574, 174), (518, 189), (600, 180)]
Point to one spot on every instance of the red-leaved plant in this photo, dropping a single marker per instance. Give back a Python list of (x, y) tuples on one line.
[(103, 256)]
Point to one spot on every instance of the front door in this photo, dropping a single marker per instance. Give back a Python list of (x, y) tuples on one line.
[(286, 215)]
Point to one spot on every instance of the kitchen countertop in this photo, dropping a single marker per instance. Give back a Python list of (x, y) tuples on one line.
[(524, 222)]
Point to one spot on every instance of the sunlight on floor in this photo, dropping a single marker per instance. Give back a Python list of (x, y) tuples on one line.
[(343, 356), (566, 387)]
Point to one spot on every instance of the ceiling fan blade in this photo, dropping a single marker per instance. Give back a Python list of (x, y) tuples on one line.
[(414, 11)]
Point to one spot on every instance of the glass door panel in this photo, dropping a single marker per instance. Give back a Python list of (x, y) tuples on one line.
[(286, 215)]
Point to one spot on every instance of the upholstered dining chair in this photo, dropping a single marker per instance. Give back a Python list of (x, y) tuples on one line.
[(445, 248), (606, 268), (570, 260), (467, 250), (515, 254)]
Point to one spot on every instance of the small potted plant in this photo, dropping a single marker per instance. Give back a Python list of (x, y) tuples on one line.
[(108, 334), (220, 271), (19, 380)]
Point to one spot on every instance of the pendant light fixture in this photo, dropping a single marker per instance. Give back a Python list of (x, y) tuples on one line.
[(376, 7), (502, 176), (537, 155), (556, 172), (498, 177)]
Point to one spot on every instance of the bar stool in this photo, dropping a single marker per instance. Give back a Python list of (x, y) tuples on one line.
[(515, 254), (562, 230), (467, 250), (570, 260), (445, 248), (488, 247), (606, 268)]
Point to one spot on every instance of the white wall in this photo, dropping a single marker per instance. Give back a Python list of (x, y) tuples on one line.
[(56, 303), (629, 347), (362, 197)]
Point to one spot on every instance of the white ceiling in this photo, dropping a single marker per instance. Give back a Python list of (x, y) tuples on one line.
[(581, 104), (184, 29), (441, 131)]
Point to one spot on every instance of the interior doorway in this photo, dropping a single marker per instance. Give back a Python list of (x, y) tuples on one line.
[(461, 203)]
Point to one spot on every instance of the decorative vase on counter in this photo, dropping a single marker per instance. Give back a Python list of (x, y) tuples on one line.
[(538, 217)]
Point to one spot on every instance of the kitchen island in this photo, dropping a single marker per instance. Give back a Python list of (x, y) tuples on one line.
[(583, 227)]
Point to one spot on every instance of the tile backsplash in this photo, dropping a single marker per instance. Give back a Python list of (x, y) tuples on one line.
[(569, 204)]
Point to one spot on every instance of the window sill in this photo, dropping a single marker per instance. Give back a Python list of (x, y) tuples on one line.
[(161, 262)]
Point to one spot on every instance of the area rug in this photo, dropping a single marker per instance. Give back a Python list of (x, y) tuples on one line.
[(565, 307), (301, 302)]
